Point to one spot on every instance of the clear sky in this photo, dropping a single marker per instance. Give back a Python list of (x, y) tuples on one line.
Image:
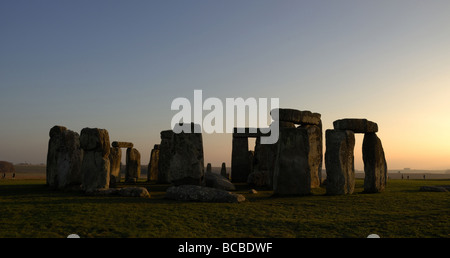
[(119, 64)]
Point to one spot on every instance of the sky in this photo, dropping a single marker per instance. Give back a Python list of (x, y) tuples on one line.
[(118, 65)]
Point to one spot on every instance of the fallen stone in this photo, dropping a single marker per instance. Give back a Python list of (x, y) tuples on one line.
[(435, 188), (122, 144), (296, 116), (198, 193), (126, 192), (217, 181), (356, 125)]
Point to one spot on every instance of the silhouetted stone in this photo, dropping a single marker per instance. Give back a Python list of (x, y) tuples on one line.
[(356, 125), (375, 167), (165, 155), (64, 158), (339, 162), (297, 117), (223, 171), (208, 168), (122, 144), (153, 172), (133, 166), (115, 157), (257, 178), (292, 172), (198, 193), (186, 163), (435, 188), (240, 162), (263, 163), (96, 165)]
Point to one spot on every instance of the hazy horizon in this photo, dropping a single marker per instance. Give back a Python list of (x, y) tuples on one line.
[(118, 65)]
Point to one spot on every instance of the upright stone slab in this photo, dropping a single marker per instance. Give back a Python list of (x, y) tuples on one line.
[(208, 168), (375, 167), (292, 174), (315, 154), (133, 166), (263, 164), (64, 158), (96, 164), (223, 171), (152, 173), (339, 162), (115, 157), (186, 163), (240, 162), (165, 155)]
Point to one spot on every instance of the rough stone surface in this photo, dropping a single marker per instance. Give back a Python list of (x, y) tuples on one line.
[(297, 117), (122, 144), (240, 163), (356, 125), (292, 174), (315, 154), (165, 155), (375, 167), (64, 158), (339, 162), (96, 165), (153, 172), (217, 181), (133, 166), (186, 163), (115, 157), (257, 178), (263, 163), (202, 194)]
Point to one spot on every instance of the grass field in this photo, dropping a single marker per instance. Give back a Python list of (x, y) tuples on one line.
[(29, 209)]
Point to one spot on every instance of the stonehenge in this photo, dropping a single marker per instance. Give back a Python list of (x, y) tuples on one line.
[(291, 166)]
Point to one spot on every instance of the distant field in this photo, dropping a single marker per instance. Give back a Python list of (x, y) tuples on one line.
[(29, 209)]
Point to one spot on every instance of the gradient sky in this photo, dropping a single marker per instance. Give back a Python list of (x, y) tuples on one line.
[(119, 64)]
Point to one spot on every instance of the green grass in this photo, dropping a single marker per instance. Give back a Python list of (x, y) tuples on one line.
[(29, 209)]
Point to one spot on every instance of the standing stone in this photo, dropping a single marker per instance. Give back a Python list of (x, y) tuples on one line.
[(223, 171), (96, 164), (240, 162), (64, 158), (315, 154), (165, 155), (375, 167), (339, 162), (208, 168), (152, 173), (133, 166), (292, 172), (115, 157), (186, 163)]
